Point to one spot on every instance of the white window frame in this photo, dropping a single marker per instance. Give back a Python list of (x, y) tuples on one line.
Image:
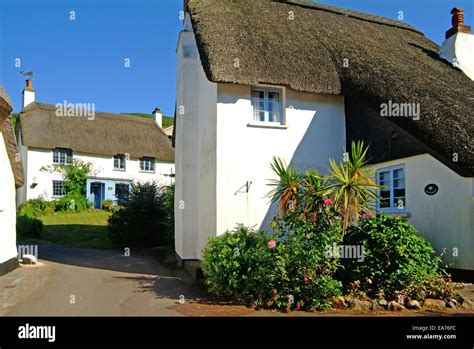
[(63, 156), (282, 106), (152, 162), (122, 160), (393, 207), (63, 190)]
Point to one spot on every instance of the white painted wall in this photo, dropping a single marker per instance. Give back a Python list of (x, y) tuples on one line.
[(195, 155), (459, 51), (446, 219), (102, 168), (28, 97), (7, 207), (314, 133), (217, 152)]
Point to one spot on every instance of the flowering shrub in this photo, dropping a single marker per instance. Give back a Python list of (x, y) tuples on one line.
[(287, 270)]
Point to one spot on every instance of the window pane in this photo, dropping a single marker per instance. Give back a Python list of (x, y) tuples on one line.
[(273, 106), (398, 173), (399, 193), (399, 182), (258, 102), (384, 176)]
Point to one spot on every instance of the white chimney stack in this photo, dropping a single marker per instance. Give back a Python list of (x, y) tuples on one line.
[(458, 48), (28, 93), (158, 117)]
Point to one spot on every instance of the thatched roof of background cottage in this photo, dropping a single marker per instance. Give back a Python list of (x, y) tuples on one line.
[(105, 134), (6, 128), (387, 60)]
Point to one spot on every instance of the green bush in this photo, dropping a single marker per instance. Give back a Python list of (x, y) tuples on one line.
[(142, 219), (168, 206), (239, 263), (72, 202), (36, 207), (29, 227), (295, 273), (396, 259)]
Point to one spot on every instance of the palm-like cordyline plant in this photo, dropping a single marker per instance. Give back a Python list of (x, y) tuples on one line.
[(299, 193), (286, 188), (351, 185)]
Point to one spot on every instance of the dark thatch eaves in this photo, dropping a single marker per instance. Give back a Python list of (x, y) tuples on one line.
[(6, 128), (105, 134), (387, 60)]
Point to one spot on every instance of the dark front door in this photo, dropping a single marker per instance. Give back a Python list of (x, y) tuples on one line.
[(96, 189)]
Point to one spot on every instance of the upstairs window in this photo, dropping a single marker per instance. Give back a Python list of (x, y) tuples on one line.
[(393, 195), (267, 105), (62, 156), (147, 164), (119, 162)]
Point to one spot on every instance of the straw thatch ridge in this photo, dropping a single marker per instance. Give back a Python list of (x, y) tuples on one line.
[(385, 60), (105, 134), (6, 128)]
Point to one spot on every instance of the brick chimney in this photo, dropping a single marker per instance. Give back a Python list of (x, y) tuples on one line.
[(458, 48), (457, 22), (158, 117), (28, 93)]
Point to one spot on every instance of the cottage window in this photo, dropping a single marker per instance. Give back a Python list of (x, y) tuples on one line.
[(122, 191), (147, 164), (267, 105), (62, 156), (119, 162), (58, 189), (393, 195)]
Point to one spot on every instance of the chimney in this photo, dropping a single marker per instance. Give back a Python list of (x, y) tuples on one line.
[(28, 93), (158, 117), (458, 48)]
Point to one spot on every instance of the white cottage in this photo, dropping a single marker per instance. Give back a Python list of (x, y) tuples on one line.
[(300, 80), (11, 177), (121, 148)]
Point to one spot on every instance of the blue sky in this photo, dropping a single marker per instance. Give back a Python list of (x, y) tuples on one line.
[(82, 61)]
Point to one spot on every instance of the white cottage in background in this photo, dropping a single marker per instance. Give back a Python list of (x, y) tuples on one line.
[(11, 177), (121, 148), (300, 80)]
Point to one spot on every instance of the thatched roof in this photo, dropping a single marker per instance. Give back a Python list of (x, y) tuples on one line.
[(105, 134), (387, 60), (6, 128)]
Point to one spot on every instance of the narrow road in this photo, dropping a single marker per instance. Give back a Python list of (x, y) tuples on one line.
[(79, 281)]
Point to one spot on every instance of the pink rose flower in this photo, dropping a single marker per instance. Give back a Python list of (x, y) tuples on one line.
[(272, 244), (327, 202)]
